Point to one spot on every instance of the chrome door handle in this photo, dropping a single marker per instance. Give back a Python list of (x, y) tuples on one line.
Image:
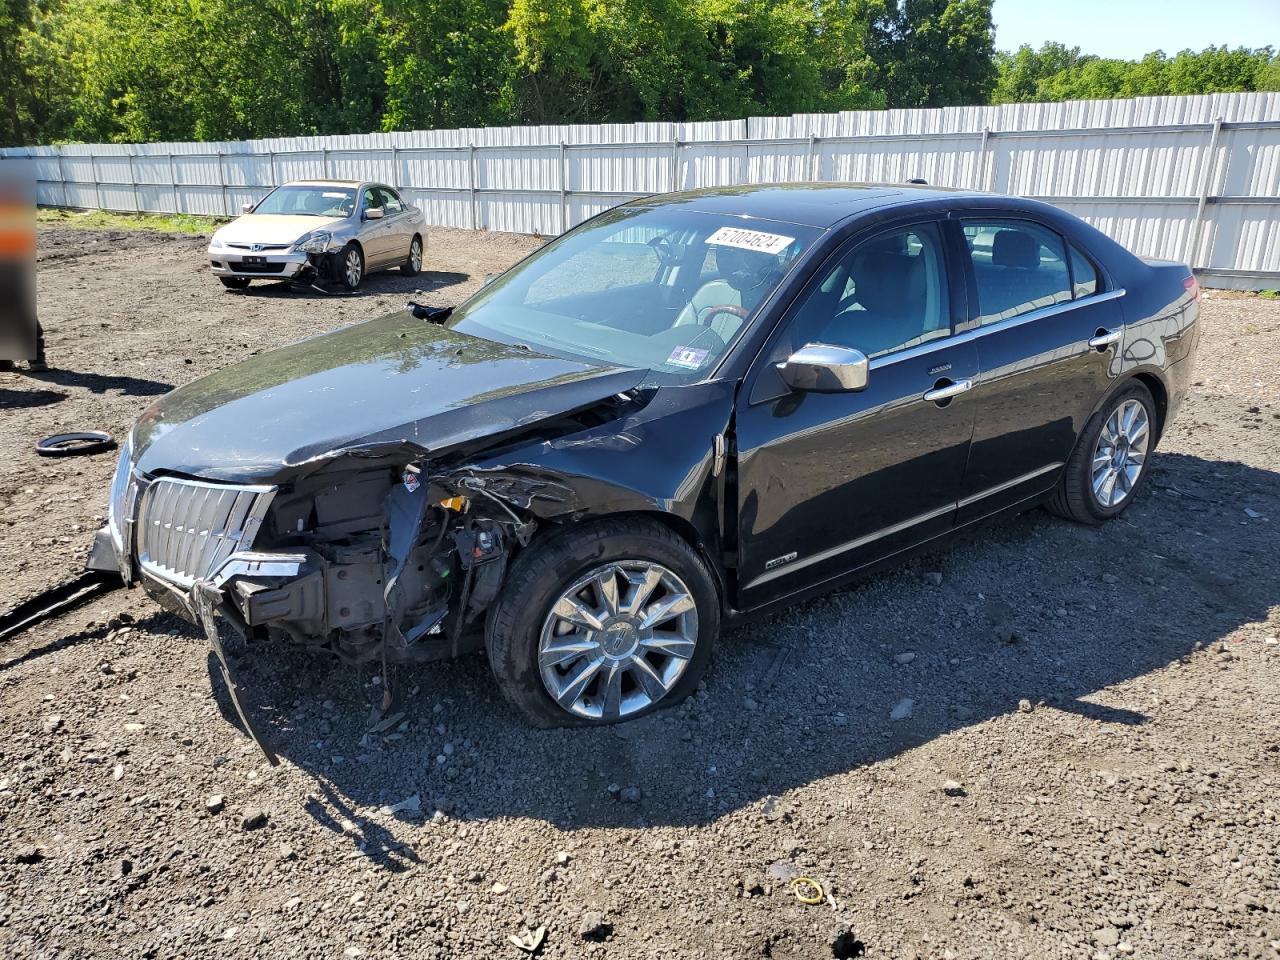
[(953, 389), (1105, 339)]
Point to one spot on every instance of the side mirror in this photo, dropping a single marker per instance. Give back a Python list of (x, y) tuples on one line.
[(824, 368), (247, 207), (373, 213)]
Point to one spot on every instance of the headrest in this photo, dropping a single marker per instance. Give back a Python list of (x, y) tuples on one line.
[(889, 283), (1013, 248)]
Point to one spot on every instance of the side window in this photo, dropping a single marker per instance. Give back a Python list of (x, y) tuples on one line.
[(371, 198), (1018, 266), (1084, 278), (887, 293), (390, 200)]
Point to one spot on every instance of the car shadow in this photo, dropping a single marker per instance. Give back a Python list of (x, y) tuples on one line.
[(375, 285), (29, 399), (1031, 609)]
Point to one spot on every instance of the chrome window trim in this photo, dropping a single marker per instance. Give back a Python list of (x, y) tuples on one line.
[(1008, 484), (974, 333)]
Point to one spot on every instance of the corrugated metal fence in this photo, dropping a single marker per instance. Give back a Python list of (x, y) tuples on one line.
[(1188, 178)]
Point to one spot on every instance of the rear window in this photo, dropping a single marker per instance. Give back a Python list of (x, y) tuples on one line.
[(1018, 267)]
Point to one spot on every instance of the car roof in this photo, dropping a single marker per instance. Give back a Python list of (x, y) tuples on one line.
[(326, 183), (815, 204)]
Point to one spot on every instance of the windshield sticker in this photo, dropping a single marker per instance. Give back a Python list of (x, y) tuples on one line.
[(335, 196), (687, 357), (773, 243)]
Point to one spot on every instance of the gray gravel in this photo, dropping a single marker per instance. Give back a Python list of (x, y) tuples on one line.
[(1089, 765)]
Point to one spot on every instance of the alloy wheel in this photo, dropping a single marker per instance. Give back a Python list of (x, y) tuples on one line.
[(617, 640), (1121, 453), (353, 268), (415, 255)]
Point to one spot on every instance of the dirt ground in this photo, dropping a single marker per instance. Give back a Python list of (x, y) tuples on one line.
[(1090, 766)]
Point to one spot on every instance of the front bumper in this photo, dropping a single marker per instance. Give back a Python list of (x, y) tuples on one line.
[(261, 265)]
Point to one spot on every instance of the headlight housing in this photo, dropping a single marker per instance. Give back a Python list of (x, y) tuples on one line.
[(216, 240), (120, 505), (318, 241)]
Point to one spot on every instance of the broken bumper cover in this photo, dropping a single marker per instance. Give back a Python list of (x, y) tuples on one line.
[(260, 265)]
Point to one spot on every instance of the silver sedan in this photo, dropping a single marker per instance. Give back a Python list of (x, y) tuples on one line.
[(308, 230)]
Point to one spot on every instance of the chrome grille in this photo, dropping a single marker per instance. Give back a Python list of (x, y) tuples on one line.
[(186, 529)]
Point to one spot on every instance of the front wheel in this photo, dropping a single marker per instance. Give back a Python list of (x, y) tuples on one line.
[(1110, 461), (603, 622), (351, 266), (411, 266), (235, 283)]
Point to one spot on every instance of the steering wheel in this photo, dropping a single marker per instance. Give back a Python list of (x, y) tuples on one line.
[(706, 313)]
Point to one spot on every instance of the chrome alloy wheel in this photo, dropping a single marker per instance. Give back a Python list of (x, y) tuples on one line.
[(415, 254), (353, 268), (1121, 453), (617, 640)]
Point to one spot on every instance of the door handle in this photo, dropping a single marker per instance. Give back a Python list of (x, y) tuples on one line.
[(1105, 338), (953, 389)]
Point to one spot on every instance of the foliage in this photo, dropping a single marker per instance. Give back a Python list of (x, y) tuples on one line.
[(145, 70), (1055, 72), (107, 220)]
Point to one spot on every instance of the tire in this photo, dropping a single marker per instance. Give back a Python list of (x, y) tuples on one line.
[(235, 283), (523, 617), (411, 266), (350, 267), (1076, 497)]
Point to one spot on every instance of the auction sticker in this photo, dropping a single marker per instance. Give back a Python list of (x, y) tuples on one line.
[(687, 357), (773, 243)]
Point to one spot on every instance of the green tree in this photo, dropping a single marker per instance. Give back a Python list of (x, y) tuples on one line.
[(933, 53)]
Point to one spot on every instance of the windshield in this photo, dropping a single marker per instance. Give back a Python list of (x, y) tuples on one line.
[(656, 288), (309, 201)]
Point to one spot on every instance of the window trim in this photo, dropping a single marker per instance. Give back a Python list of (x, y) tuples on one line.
[(979, 331)]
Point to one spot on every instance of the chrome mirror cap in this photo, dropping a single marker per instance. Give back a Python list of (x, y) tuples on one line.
[(825, 368), (247, 207), (373, 213)]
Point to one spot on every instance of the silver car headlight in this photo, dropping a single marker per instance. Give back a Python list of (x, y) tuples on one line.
[(216, 242), (317, 241), (120, 505)]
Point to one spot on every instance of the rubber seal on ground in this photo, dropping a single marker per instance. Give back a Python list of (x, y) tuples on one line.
[(76, 444), (807, 890)]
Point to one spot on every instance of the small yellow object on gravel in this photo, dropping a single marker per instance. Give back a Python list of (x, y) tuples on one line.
[(801, 887)]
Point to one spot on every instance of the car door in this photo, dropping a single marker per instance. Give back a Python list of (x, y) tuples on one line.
[(373, 233), (399, 225), (1048, 337), (828, 482)]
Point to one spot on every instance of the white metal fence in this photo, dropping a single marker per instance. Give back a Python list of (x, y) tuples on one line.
[(1188, 178)]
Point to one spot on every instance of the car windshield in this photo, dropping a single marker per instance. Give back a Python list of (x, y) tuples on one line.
[(657, 288), (300, 200)]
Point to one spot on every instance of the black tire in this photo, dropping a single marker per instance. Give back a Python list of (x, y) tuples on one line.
[(546, 569), (350, 279), (1075, 498), (235, 283), (408, 268)]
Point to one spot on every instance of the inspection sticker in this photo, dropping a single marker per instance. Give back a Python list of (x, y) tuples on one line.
[(773, 243), (687, 357)]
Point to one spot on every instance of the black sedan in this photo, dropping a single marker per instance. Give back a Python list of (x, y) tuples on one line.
[(690, 408)]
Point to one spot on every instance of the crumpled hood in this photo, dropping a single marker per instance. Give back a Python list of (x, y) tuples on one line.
[(393, 380), (271, 228)]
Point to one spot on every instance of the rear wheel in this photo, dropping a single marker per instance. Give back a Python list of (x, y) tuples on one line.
[(412, 265), (235, 283), (1110, 461), (603, 622)]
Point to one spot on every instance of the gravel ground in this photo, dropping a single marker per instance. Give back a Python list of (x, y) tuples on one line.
[(1085, 760)]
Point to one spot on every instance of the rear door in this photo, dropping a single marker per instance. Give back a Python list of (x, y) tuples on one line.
[(828, 482), (1039, 303)]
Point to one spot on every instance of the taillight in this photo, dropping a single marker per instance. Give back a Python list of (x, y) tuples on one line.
[(1192, 286)]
